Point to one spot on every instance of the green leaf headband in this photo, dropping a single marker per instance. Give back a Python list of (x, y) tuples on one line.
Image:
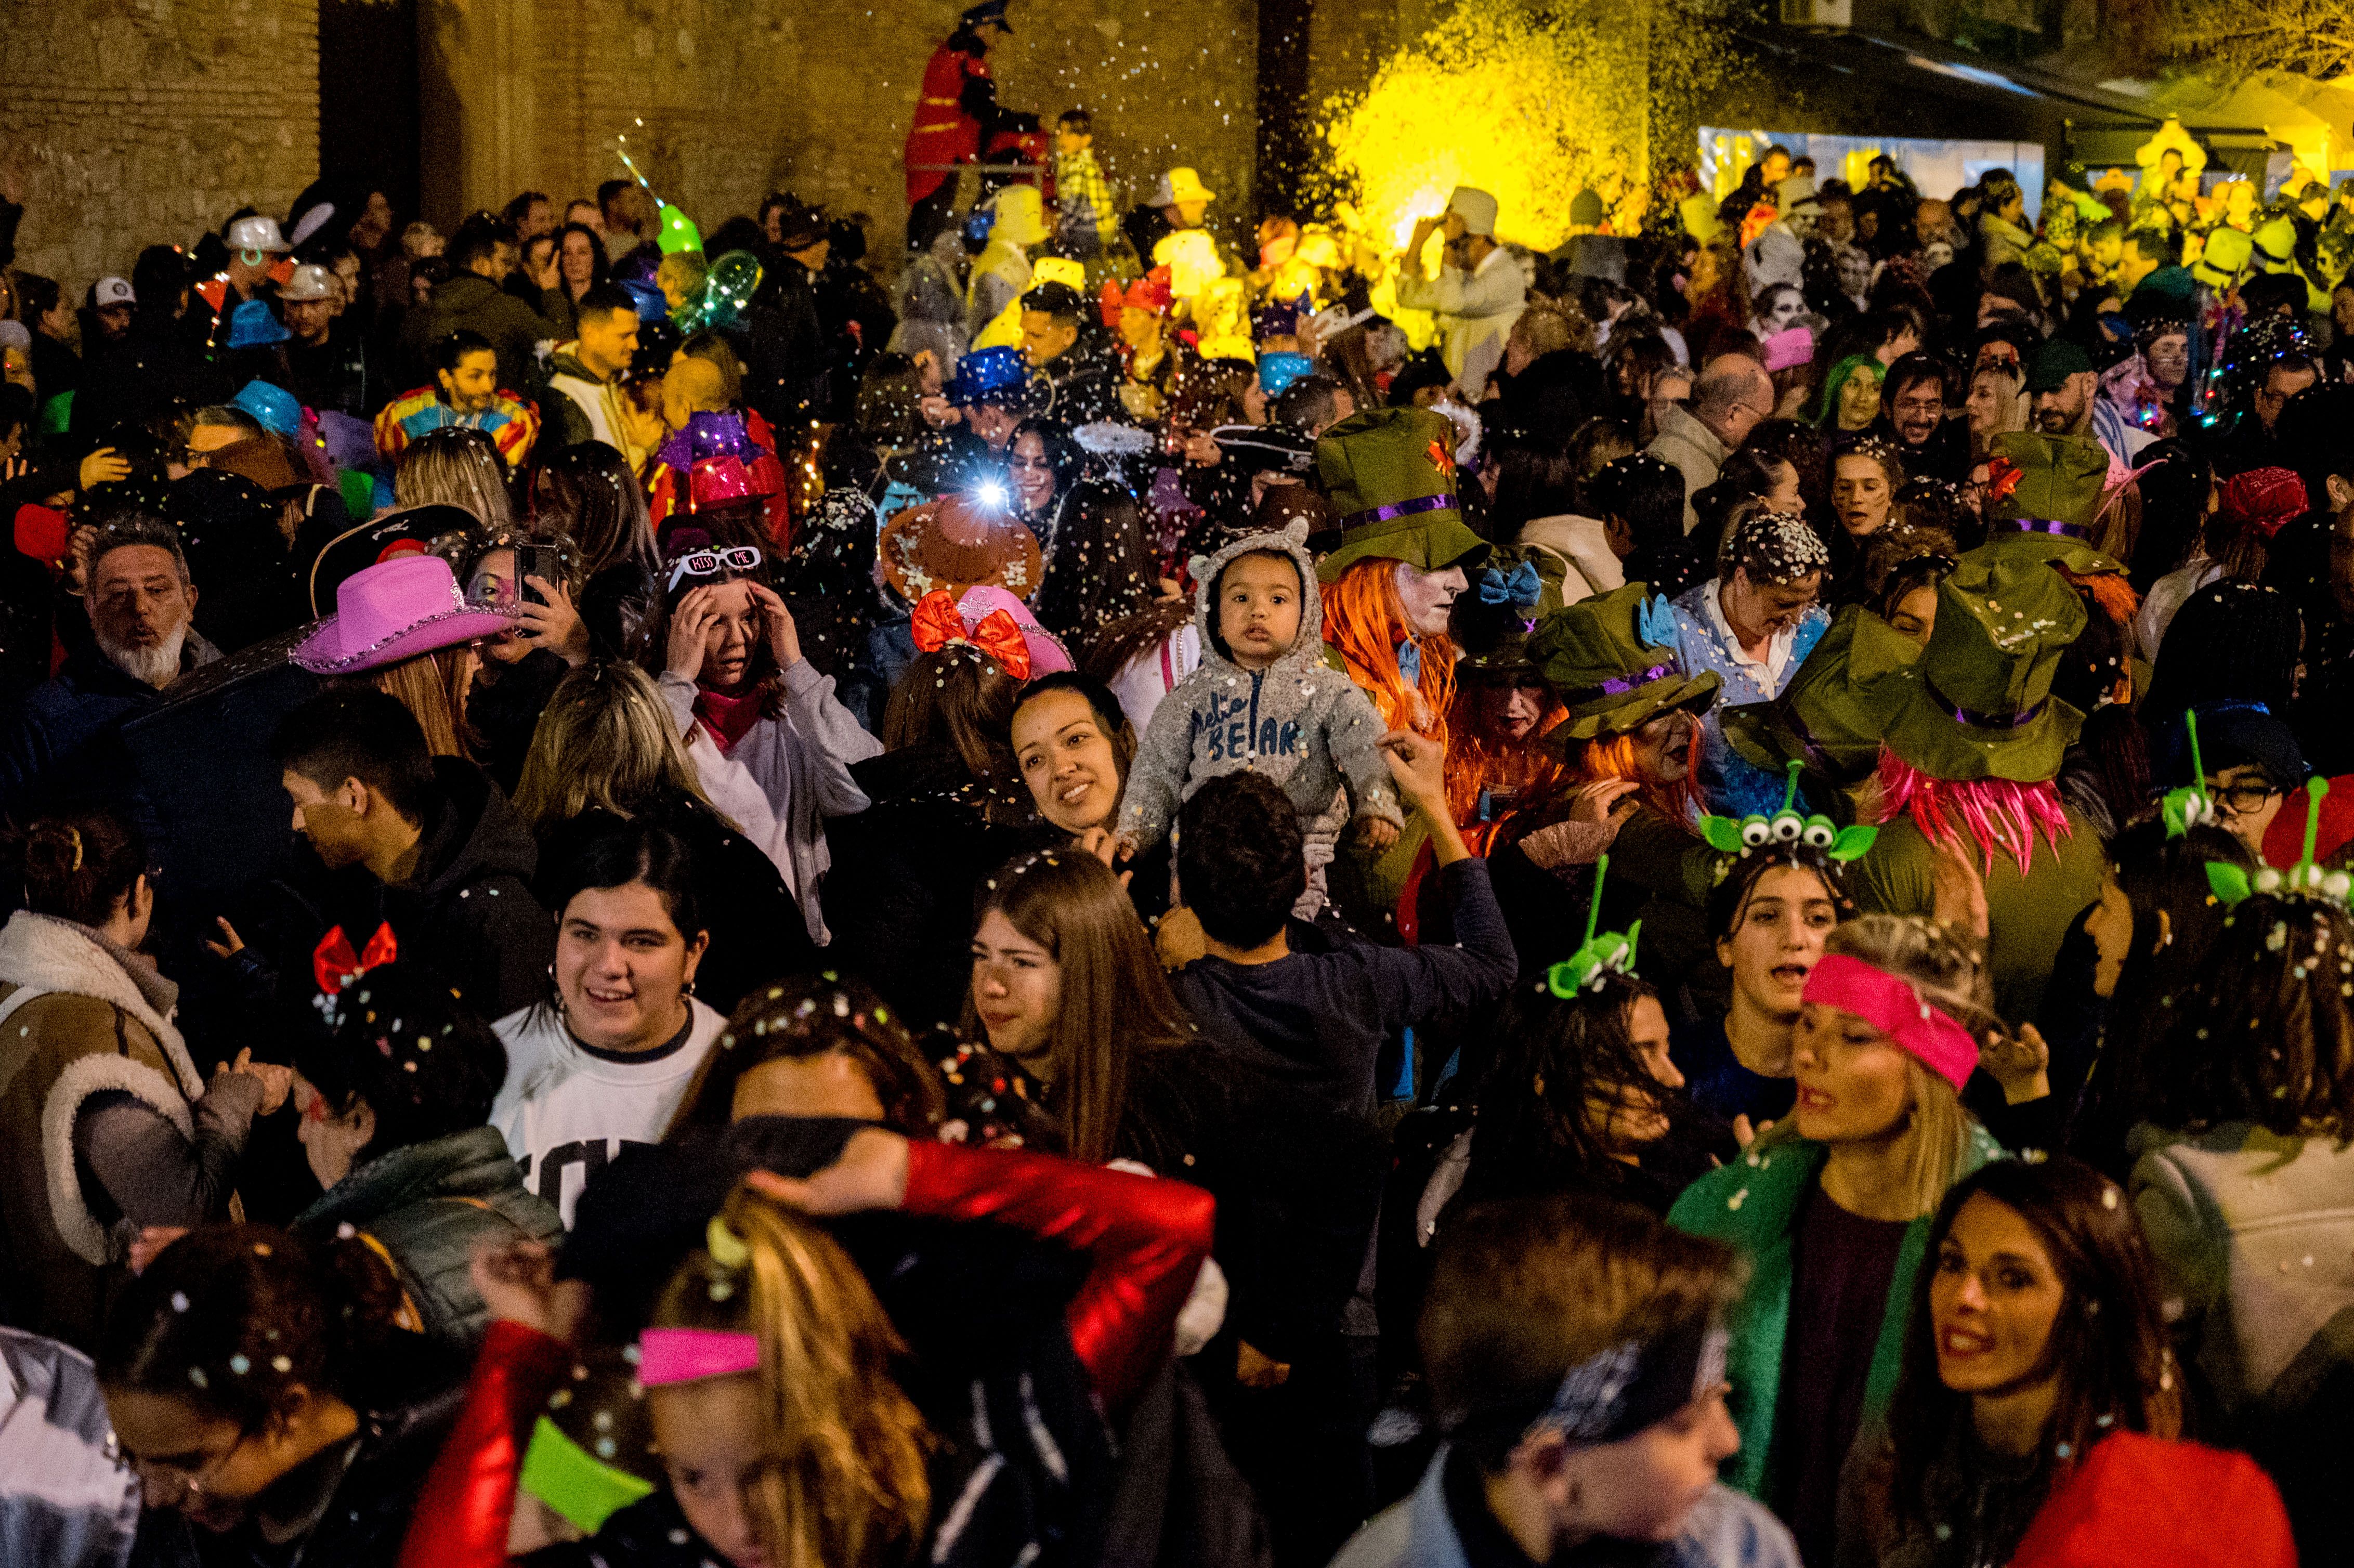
[(2231, 883), (1600, 955), (1786, 826), (2189, 806)]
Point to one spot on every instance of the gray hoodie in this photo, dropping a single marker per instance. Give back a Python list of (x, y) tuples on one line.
[(1301, 721)]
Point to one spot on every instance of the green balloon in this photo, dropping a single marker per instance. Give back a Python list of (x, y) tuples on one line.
[(678, 232)]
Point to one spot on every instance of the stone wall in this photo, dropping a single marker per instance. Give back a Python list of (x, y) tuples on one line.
[(127, 121), (726, 100)]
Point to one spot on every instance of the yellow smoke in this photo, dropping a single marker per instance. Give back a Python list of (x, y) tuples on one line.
[(1531, 110)]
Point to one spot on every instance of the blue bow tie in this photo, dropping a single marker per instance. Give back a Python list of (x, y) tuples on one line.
[(1523, 588)]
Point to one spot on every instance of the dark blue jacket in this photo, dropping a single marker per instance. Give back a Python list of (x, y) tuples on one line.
[(1328, 1009), (63, 741)]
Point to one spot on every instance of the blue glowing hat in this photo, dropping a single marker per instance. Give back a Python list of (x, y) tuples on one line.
[(991, 375), (277, 410), (651, 305), (1277, 371), (253, 326)]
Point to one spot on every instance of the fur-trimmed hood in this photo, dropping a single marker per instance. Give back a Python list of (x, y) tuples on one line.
[(42, 957), (1306, 649), (58, 956)]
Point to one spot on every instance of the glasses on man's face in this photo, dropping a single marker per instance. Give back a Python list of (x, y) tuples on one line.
[(2244, 799)]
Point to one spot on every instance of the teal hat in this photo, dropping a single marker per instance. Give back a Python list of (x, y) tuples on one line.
[(273, 406)]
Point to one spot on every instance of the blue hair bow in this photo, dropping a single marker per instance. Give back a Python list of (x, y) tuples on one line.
[(1523, 586), (1655, 622)]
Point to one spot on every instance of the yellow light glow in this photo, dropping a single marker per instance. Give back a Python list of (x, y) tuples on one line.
[(1531, 112)]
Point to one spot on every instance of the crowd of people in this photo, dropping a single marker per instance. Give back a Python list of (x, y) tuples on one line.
[(1080, 898)]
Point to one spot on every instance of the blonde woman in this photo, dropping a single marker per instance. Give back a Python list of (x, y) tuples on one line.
[(455, 466), (1832, 1209), (605, 751)]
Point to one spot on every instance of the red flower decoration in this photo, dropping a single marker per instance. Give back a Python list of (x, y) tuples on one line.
[(2002, 477), (1442, 457)]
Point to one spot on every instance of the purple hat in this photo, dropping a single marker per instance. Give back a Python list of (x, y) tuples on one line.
[(708, 435), (394, 610)]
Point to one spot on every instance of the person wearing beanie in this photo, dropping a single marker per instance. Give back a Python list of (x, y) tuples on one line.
[(1478, 293)]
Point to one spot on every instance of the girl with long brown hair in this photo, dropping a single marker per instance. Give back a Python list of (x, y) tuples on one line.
[(2036, 1332)]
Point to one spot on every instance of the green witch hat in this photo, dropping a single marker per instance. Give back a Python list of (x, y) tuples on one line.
[(2044, 495), (1978, 703), (1612, 661), (1508, 596), (1390, 475), (1832, 715)]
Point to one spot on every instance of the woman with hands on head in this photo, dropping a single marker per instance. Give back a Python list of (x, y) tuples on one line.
[(770, 744)]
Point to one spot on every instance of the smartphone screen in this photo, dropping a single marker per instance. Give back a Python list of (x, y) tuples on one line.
[(534, 561)]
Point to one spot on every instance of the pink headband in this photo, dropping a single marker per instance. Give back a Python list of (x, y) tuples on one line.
[(689, 1355), (1890, 1005)]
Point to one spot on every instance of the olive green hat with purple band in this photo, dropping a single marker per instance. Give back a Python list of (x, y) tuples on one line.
[(1390, 475), (1612, 660), (2044, 496)]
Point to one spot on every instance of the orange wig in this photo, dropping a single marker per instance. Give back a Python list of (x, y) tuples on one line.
[(1364, 621)]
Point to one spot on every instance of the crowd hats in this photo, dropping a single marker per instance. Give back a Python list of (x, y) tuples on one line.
[(1179, 185), (1978, 701), (1021, 216), (260, 234), (395, 611), (1151, 293), (310, 282), (415, 531), (2054, 363), (110, 291), (1510, 595), (1476, 207), (1261, 449), (1830, 716), (1390, 475), (275, 408), (994, 376), (253, 324), (989, 13), (2044, 496), (1612, 661), (721, 463), (955, 544)]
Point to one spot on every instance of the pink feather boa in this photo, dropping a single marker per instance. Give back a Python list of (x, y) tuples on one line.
[(1997, 813)]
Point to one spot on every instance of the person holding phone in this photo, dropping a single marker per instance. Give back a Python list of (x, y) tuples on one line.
[(532, 581)]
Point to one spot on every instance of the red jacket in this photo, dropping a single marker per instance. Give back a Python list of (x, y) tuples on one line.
[(947, 128), (1144, 1240)]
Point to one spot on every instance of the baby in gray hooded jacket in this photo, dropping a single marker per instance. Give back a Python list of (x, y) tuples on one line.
[(1263, 699)]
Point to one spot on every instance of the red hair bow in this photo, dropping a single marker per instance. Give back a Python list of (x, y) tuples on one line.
[(2002, 477), (336, 965), (998, 634)]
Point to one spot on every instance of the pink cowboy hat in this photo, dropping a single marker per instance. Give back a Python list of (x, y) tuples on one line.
[(394, 610), (1047, 654)]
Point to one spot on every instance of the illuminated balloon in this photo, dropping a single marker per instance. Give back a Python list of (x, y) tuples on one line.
[(678, 232), (735, 278)]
